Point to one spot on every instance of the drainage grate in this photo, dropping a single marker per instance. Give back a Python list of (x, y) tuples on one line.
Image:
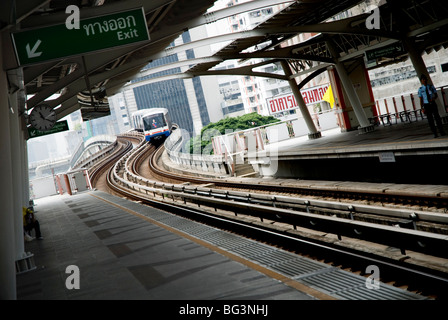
[(298, 267), (332, 281), (168, 219), (219, 238), (273, 257), (251, 249), (384, 292), (231, 243), (155, 216), (199, 232), (182, 225), (347, 286)]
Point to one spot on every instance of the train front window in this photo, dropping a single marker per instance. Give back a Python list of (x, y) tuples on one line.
[(154, 121)]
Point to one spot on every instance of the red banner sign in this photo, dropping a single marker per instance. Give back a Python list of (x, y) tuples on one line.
[(288, 102)]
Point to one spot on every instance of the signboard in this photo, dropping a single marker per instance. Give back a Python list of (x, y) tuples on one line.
[(385, 52), (98, 33), (288, 102), (59, 126), (387, 157)]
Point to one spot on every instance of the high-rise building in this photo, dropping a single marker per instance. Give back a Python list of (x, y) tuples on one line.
[(192, 103), (246, 94)]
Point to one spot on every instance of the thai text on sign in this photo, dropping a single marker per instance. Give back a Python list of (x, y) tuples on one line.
[(288, 102), (96, 33)]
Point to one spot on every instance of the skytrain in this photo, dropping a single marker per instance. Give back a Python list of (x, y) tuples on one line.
[(155, 123)]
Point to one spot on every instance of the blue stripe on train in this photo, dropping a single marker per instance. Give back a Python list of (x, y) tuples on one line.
[(164, 133)]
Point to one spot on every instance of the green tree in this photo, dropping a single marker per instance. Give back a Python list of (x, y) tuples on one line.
[(202, 144)]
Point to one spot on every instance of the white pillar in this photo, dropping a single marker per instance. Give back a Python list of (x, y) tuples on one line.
[(356, 104), (17, 186), (25, 173), (352, 96), (7, 234), (313, 132)]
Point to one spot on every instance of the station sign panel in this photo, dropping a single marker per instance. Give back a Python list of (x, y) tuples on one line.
[(98, 33), (59, 126), (385, 52)]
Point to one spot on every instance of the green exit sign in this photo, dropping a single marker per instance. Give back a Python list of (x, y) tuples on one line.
[(59, 126), (98, 33), (387, 51)]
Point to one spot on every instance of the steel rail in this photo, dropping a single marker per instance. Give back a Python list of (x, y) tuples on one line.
[(95, 171), (123, 146)]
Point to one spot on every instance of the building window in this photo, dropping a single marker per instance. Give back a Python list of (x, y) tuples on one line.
[(444, 67)]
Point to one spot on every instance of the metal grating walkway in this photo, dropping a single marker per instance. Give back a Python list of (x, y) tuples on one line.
[(327, 279)]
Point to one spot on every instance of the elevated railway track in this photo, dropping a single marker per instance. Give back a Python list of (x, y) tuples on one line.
[(409, 246)]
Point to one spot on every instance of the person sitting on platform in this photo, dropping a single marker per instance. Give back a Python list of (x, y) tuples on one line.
[(29, 223), (428, 96)]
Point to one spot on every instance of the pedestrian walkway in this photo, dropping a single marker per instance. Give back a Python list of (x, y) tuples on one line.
[(391, 154), (385, 138), (122, 255)]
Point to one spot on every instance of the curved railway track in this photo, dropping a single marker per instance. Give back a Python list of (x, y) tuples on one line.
[(436, 201), (259, 215)]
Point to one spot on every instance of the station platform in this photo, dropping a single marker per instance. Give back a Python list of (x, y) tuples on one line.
[(400, 136), (127, 251), (122, 252), (400, 153)]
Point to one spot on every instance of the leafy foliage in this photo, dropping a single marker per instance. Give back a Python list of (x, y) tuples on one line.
[(202, 144)]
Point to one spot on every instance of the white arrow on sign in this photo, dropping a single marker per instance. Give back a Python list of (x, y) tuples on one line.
[(32, 52)]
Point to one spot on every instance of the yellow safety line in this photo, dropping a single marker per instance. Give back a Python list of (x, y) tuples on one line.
[(272, 274)]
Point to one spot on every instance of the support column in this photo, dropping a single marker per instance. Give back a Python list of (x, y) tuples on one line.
[(416, 59), (409, 45), (16, 186), (356, 104), (25, 173), (7, 234), (313, 132)]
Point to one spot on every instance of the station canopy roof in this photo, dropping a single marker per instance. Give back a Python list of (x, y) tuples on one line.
[(424, 22), (91, 77), (94, 74)]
